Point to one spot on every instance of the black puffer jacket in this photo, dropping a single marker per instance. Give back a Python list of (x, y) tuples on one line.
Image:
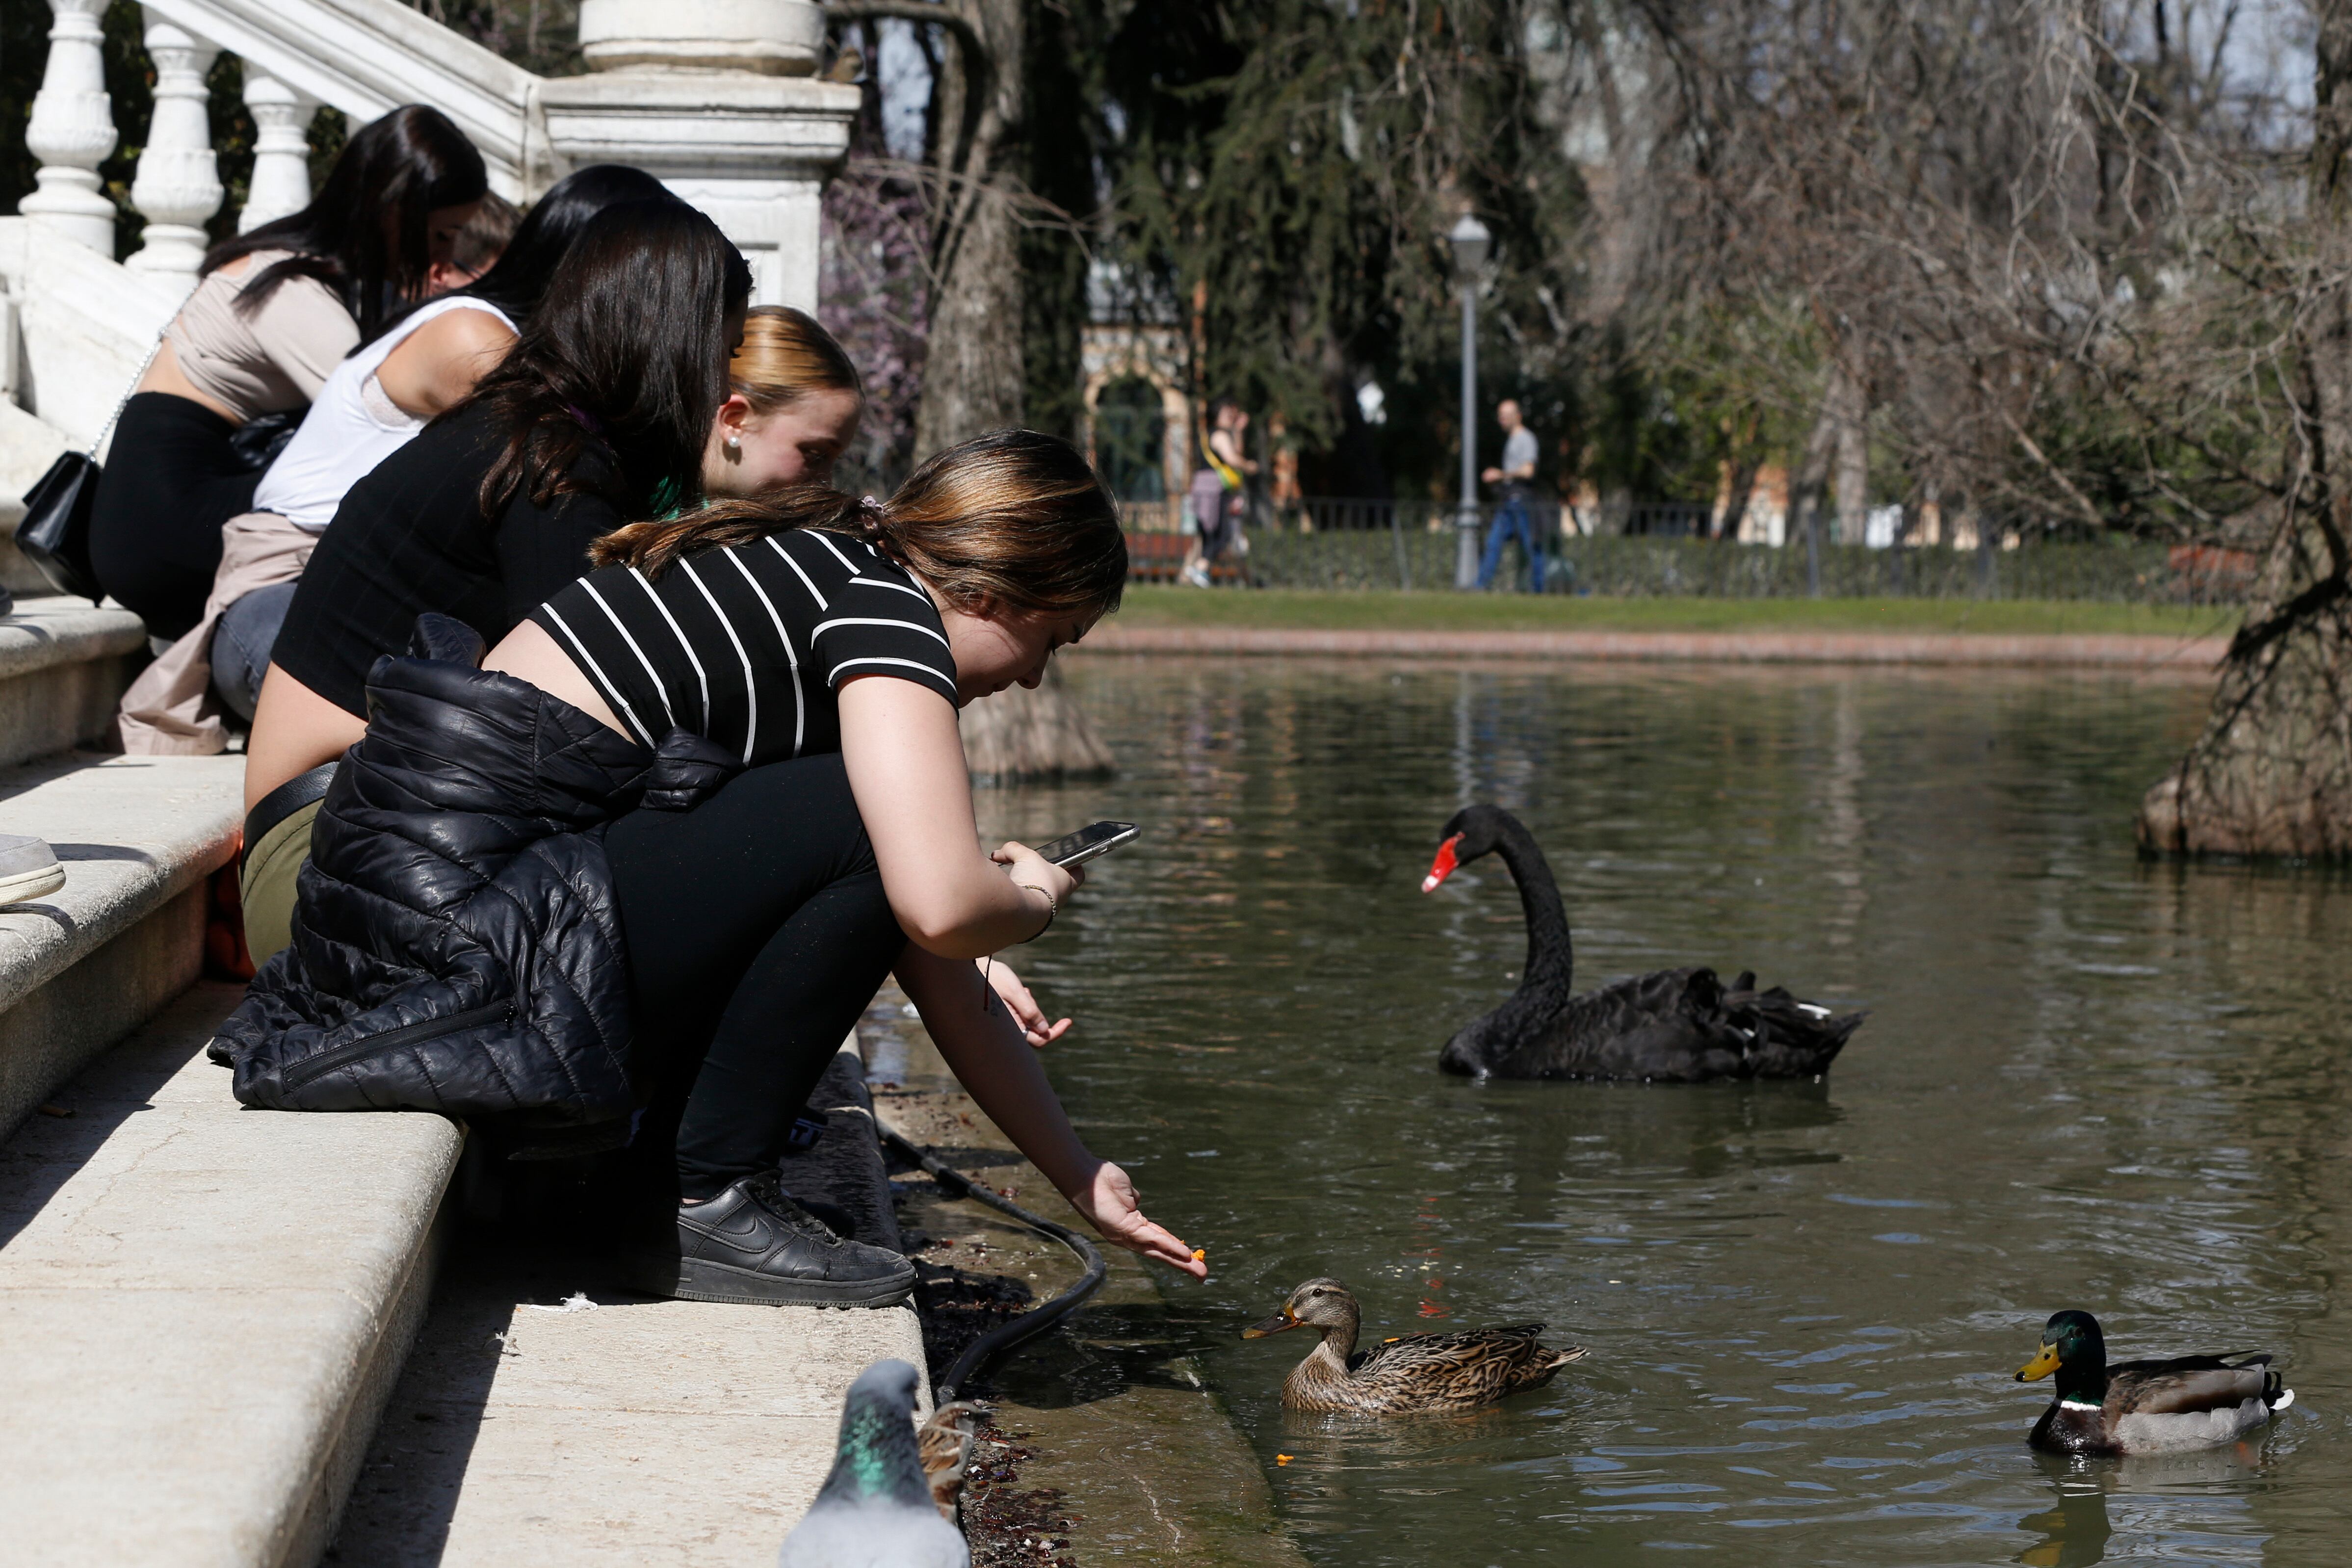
[(457, 948)]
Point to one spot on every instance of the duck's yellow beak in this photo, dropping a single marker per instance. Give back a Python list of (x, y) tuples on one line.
[(2045, 1362), (1274, 1325)]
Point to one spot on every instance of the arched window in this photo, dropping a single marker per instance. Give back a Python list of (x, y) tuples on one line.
[(1130, 431)]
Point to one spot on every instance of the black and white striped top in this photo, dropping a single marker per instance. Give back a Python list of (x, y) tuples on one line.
[(747, 644)]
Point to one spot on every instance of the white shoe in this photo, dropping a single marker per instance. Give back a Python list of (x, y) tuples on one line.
[(28, 869)]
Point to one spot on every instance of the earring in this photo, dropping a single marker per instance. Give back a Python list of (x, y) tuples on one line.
[(734, 448)]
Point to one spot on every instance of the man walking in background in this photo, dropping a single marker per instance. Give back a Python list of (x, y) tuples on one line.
[(1512, 508)]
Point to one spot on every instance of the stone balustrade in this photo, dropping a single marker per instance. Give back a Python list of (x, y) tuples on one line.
[(717, 98)]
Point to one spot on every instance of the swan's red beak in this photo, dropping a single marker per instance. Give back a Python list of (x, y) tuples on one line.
[(1442, 867)]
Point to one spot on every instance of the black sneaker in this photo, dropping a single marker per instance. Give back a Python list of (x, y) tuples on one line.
[(753, 1243)]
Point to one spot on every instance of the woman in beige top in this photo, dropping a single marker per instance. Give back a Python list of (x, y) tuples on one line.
[(275, 311)]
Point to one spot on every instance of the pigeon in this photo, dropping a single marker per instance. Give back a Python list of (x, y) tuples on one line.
[(875, 1509)]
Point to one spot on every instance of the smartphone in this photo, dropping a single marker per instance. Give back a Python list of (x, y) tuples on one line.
[(1088, 843)]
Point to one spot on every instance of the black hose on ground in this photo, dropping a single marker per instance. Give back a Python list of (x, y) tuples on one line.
[(1031, 1323)]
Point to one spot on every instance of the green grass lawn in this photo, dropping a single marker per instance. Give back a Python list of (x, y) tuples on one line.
[(1152, 604)]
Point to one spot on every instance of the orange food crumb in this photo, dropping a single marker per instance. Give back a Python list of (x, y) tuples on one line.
[(1282, 1458), (1199, 1253)]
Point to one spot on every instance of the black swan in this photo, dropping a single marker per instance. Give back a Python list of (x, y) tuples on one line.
[(1677, 1025)]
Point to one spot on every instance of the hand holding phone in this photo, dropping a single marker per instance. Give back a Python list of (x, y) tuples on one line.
[(1088, 843)]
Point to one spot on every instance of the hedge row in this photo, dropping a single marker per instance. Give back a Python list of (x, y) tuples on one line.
[(2116, 571)]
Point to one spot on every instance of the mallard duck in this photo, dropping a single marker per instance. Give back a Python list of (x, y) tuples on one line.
[(1676, 1025), (1404, 1377), (2136, 1407)]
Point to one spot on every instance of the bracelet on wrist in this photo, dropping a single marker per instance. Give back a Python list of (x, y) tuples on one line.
[(1053, 907)]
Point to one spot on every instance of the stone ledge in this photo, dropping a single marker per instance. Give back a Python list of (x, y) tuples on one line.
[(47, 632), (2191, 657), (63, 668), (202, 1308), (79, 969), (550, 1415)]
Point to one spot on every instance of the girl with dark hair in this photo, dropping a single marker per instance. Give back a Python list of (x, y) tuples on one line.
[(375, 403), (598, 415), (658, 851), (275, 310), (514, 285), (430, 358)]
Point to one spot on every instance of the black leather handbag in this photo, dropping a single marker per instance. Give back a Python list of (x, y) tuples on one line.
[(55, 532)]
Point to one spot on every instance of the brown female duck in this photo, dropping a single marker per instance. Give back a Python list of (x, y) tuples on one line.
[(1404, 1377)]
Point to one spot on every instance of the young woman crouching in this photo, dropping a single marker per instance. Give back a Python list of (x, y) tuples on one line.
[(660, 850)]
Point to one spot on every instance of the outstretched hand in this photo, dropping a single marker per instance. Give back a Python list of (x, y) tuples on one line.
[(1107, 1201), (1018, 1000)]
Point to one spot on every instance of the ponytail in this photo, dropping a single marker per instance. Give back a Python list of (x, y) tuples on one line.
[(1014, 519), (653, 548)]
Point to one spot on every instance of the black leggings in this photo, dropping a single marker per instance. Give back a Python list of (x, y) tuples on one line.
[(756, 932), (170, 480)]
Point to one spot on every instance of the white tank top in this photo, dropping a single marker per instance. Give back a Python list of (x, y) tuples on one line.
[(351, 427)]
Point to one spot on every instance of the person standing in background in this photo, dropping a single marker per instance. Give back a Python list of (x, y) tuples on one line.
[(1217, 490), (1287, 501), (1513, 510)]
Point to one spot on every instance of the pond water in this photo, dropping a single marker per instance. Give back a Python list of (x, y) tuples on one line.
[(2086, 1081)]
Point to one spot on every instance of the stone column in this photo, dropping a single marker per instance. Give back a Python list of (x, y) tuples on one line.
[(716, 99), (774, 37), (178, 185), (72, 130), (281, 151)]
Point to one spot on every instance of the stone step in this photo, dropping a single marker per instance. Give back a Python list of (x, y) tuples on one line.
[(63, 667), (202, 1308), (84, 966), (552, 1415)]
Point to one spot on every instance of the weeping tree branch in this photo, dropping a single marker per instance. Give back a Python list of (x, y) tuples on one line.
[(967, 167)]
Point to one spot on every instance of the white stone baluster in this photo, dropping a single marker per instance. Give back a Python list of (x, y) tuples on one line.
[(72, 130), (178, 185), (281, 151)]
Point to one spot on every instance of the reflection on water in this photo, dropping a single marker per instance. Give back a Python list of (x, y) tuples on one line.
[(2181, 1507), (2074, 1533), (2086, 1081)]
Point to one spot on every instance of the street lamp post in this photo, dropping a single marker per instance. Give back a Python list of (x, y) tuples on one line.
[(1470, 240)]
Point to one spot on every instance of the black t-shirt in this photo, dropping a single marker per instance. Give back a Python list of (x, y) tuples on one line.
[(410, 537), (748, 645)]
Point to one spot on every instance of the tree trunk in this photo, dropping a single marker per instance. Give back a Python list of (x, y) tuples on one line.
[(1040, 734), (973, 378), (2272, 776), (1805, 491), (973, 374), (1847, 402), (1740, 489)]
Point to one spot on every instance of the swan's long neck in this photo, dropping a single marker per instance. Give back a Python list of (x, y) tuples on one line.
[(1550, 969)]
